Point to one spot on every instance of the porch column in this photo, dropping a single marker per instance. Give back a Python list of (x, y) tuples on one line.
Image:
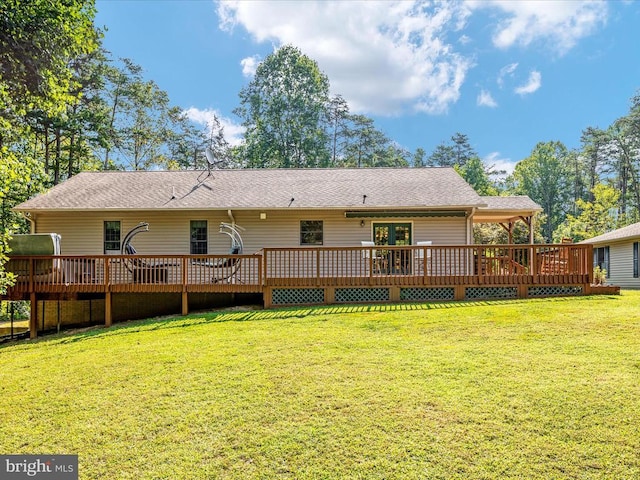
[(509, 229), (529, 222)]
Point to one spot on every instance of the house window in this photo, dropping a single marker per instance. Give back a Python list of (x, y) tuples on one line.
[(636, 269), (112, 236), (601, 259), (198, 237), (311, 232), (392, 233)]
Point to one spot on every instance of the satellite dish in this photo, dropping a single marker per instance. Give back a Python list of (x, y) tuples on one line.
[(210, 158)]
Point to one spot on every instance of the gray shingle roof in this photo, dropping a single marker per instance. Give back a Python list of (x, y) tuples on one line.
[(515, 202), (628, 232), (260, 189)]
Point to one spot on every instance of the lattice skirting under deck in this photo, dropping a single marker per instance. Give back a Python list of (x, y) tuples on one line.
[(475, 293), (362, 295), (553, 290), (424, 294), (297, 296), (311, 296)]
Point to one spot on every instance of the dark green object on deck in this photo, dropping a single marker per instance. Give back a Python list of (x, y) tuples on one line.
[(35, 244)]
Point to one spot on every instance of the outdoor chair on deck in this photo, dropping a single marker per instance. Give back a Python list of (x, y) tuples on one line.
[(377, 259), (227, 269), (419, 257), (141, 271)]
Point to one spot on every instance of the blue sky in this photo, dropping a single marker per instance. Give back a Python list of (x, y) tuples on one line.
[(506, 73)]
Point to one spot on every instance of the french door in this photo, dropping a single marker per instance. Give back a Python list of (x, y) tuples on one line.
[(394, 234)]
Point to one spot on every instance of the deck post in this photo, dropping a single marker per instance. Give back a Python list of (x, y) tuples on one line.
[(185, 303), (458, 293), (267, 297), (394, 294), (33, 315), (107, 310), (329, 295), (185, 295), (523, 291)]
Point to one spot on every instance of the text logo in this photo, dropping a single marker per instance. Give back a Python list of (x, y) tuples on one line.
[(49, 467)]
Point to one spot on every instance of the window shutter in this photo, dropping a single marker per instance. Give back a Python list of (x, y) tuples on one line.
[(635, 259)]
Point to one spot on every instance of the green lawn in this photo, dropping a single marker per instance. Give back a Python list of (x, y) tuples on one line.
[(514, 389)]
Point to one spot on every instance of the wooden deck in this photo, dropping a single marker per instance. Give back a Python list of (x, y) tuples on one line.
[(317, 275)]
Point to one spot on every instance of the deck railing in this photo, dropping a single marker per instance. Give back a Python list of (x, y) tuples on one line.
[(319, 266), (137, 273), (428, 265)]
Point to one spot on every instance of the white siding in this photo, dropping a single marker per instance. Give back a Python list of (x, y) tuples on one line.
[(621, 265), (82, 232)]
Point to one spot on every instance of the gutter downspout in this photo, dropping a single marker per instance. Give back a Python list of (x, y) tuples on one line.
[(233, 220), (27, 216), (469, 232)]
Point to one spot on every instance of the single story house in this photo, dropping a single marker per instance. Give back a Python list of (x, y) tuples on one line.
[(276, 207), (617, 253), (306, 236)]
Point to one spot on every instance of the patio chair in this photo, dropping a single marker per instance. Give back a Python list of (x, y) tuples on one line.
[(367, 253), (225, 270), (419, 257), (141, 271)]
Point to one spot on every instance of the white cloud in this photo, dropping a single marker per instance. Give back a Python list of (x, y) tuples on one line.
[(232, 131), (465, 39), (497, 164), (249, 65), (533, 84), (486, 100), (383, 57), (559, 23), (507, 70)]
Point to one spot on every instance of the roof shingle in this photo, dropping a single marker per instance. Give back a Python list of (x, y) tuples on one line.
[(628, 232), (259, 189)]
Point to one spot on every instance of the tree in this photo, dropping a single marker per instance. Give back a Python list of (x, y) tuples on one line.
[(456, 153), (337, 127), (283, 109), (625, 153), (476, 174), (495, 234), (595, 218), (543, 177), (38, 41), (418, 157), (187, 144), (594, 145), (366, 145), (141, 128)]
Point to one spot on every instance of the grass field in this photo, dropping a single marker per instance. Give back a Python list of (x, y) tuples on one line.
[(536, 389)]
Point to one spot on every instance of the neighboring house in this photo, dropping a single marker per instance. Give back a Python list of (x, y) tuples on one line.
[(617, 252), (92, 211)]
